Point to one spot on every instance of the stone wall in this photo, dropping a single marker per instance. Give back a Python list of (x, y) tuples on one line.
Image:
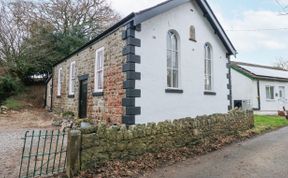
[(106, 107), (102, 144)]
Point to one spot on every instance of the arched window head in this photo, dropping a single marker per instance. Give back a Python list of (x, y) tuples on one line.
[(192, 33), (208, 70), (172, 59)]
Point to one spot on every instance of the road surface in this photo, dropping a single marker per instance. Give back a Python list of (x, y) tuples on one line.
[(264, 156)]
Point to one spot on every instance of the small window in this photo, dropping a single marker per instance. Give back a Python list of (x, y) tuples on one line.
[(172, 60), (270, 92), (282, 92), (72, 78), (99, 70), (192, 33), (59, 88), (208, 68)]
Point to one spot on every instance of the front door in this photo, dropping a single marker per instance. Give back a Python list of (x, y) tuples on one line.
[(83, 99)]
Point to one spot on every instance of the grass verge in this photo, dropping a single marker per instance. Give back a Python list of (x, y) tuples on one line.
[(266, 123), (13, 104)]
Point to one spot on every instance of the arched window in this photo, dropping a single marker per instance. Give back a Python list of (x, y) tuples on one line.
[(172, 60), (208, 67), (192, 33)]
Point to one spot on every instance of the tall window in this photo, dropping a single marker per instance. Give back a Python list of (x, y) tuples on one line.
[(72, 78), (270, 92), (172, 60), (59, 83), (208, 71), (99, 70)]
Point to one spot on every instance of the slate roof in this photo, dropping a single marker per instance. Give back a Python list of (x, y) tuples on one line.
[(141, 16), (261, 72)]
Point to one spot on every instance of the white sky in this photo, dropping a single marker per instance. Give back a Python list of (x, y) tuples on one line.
[(125, 7)]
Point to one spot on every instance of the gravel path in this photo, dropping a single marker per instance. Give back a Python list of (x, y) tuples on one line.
[(10, 152), (265, 156), (12, 128)]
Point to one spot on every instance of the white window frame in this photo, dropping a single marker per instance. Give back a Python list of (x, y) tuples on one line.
[(282, 88), (72, 78), (59, 82), (268, 95), (207, 75), (175, 55), (98, 88)]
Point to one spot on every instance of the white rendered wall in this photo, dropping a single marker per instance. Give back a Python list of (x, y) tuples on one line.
[(244, 88), (276, 104), (156, 105)]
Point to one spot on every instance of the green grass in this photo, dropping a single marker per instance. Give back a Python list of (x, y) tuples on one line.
[(13, 104), (264, 123)]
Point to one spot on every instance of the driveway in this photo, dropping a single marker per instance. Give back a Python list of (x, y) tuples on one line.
[(12, 128), (265, 156)]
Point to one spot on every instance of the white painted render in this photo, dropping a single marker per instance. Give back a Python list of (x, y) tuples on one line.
[(156, 105), (244, 88)]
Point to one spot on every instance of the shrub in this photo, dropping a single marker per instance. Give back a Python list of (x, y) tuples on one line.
[(13, 104), (9, 86)]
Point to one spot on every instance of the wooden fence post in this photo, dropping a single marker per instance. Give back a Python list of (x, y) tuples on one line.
[(73, 153)]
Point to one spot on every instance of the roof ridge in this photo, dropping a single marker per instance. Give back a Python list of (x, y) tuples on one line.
[(258, 65)]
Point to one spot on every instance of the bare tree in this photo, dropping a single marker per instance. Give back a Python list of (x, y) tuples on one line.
[(282, 63), (36, 33)]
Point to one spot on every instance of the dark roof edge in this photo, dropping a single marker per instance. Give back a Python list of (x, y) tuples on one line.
[(257, 65), (106, 32), (48, 79), (217, 26)]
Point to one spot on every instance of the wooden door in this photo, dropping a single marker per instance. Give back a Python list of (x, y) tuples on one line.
[(83, 99)]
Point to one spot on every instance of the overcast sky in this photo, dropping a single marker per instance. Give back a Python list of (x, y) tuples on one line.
[(255, 27)]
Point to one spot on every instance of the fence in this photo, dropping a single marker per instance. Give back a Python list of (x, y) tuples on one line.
[(44, 153)]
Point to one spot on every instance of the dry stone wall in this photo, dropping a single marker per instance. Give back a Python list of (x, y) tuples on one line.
[(101, 144)]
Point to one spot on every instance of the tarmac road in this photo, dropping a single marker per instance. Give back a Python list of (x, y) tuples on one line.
[(264, 156)]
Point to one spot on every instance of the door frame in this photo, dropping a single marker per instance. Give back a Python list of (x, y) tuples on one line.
[(81, 79)]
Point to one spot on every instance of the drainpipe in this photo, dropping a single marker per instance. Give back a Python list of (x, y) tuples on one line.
[(258, 96)]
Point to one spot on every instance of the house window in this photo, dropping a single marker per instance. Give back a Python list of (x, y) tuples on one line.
[(172, 60), (59, 83), (282, 92), (72, 78), (270, 92), (192, 33), (208, 70), (99, 70)]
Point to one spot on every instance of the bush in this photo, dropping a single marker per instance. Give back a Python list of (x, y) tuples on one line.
[(9, 86), (13, 104)]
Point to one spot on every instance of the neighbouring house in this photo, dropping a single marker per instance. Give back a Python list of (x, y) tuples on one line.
[(166, 62), (261, 88)]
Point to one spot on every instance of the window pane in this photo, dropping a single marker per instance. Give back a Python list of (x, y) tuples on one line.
[(208, 83), (169, 78), (169, 59), (175, 60), (209, 67), (98, 62), (272, 92), (209, 55), (174, 42), (175, 78), (267, 93), (100, 80)]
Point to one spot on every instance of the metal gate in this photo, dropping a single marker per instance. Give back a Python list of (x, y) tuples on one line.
[(44, 153)]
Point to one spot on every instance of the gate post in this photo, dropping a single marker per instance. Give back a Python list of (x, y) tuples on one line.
[(73, 153)]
